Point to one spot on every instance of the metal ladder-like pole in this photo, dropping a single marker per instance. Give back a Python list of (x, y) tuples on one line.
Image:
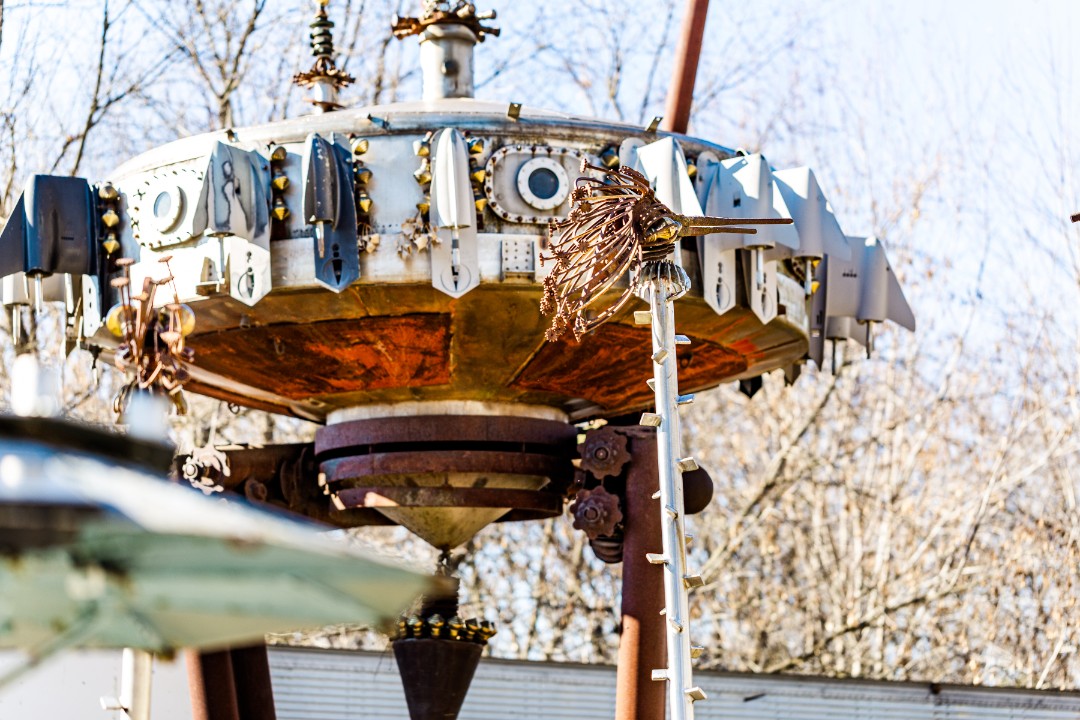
[(660, 284)]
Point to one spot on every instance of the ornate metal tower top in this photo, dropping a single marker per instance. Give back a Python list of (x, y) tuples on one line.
[(448, 32), (324, 77)]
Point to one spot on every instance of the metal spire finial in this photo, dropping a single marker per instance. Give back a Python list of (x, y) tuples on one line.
[(324, 77)]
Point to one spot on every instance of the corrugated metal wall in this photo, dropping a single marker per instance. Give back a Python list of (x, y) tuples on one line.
[(336, 685)]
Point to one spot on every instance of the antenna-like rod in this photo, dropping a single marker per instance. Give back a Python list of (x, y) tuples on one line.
[(324, 77), (680, 97)]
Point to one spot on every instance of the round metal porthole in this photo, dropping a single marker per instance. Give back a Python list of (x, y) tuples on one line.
[(167, 208), (543, 183)]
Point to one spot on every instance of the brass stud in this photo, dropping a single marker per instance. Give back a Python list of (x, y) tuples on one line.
[(110, 244), (424, 205), (476, 146), (455, 627), (110, 219), (280, 182), (187, 320), (609, 158), (363, 175), (421, 148), (115, 318), (278, 154), (108, 193), (478, 176), (423, 174), (361, 146), (691, 170), (481, 201), (280, 211), (364, 201), (435, 624)]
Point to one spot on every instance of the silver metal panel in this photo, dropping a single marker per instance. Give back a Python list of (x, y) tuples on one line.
[(341, 685)]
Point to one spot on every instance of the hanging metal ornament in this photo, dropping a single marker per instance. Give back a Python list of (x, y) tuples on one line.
[(618, 227)]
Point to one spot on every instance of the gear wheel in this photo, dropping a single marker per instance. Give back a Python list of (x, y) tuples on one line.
[(596, 512), (604, 453)]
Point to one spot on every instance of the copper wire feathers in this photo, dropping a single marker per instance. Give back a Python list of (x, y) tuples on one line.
[(616, 224)]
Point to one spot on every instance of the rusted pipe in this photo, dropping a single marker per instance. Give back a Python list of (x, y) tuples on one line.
[(641, 645), (680, 97), (251, 678), (211, 685)]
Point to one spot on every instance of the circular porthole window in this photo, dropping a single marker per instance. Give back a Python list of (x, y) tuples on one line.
[(543, 183), (168, 208)]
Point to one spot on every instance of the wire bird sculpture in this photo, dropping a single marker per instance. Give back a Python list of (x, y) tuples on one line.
[(152, 354), (616, 225)]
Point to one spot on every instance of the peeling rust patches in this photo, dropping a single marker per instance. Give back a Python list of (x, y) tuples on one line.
[(300, 361), (610, 366)]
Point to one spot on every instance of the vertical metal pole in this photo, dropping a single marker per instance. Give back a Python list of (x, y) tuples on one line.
[(210, 682), (136, 674), (251, 678), (680, 97), (641, 642), (681, 692)]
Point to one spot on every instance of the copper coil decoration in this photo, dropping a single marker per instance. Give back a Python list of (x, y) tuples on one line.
[(152, 353), (616, 226)]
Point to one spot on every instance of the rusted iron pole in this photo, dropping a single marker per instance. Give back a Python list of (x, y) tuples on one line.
[(642, 644), (231, 684), (211, 685), (251, 678), (680, 97)]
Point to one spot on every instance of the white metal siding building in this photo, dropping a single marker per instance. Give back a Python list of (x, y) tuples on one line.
[(337, 685), (327, 685)]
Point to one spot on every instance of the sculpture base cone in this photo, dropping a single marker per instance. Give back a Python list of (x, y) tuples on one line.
[(436, 674)]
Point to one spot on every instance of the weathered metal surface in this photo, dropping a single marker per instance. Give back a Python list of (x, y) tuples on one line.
[(420, 497), (436, 675), (604, 452), (606, 367), (210, 682), (444, 461), (446, 477), (336, 356), (558, 438), (596, 512), (251, 678), (281, 355), (641, 641)]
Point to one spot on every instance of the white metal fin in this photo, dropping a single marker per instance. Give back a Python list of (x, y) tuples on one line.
[(330, 206), (717, 253), (91, 305), (234, 204), (663, 163), (819, 231), (880, 295), (761, 285), (455, 260)]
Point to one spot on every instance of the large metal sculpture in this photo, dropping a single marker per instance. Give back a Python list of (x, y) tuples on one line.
[(382, 271)]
